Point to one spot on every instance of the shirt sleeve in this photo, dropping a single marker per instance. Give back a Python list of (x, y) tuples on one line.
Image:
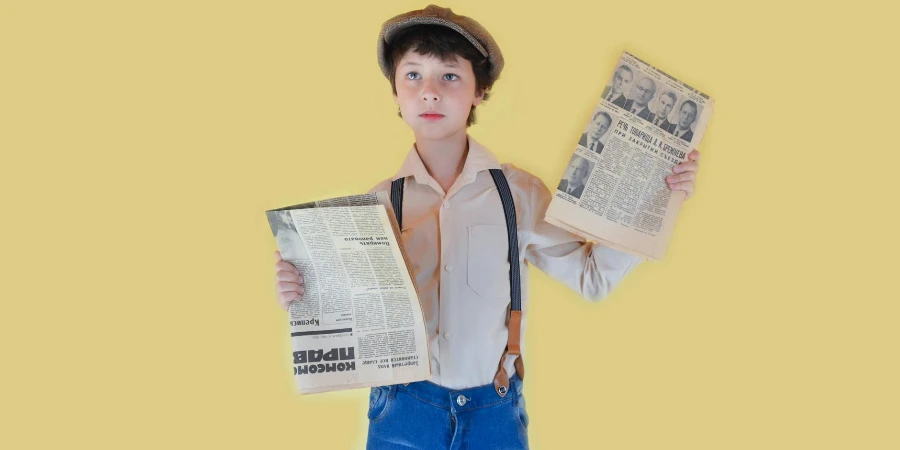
[(589, 268)]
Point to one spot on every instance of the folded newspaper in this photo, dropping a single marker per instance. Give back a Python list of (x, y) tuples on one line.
[(614, 189), (359, 323)]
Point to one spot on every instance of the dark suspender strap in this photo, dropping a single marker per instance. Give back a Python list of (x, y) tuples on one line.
[(509, 210), (397, 200), (501, 379)]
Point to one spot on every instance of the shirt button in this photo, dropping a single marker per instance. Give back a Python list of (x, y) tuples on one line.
[(448, 335), (461, 400), (447, 204), (448, 268)]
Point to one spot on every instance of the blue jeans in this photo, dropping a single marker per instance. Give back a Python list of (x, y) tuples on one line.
[(428, 416)]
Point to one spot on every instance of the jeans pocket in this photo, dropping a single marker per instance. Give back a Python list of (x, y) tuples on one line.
[(521, 413), (378, 402)]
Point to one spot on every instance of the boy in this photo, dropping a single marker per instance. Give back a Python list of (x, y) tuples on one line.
[(455, 202)]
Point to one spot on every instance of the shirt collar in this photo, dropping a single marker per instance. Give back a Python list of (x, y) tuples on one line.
[(479, 158)]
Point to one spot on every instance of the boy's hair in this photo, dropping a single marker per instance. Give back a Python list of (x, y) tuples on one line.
[(445, 44)]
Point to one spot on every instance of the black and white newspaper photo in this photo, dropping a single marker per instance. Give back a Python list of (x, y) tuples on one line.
[(613, 190), (359, 323), (594, 138), (576, 176)]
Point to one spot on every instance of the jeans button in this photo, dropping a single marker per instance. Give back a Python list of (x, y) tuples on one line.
[(461, 400)]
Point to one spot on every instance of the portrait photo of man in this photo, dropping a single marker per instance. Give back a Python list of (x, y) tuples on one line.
[(665, 104), (579, 170), (615, 92), (596, 131), (640, 96), (687, 114)]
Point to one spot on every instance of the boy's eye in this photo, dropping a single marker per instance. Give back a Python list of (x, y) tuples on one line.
[(412, 76), (451, 75)]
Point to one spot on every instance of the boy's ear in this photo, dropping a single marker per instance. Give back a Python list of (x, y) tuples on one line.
[(479, 96), (395, 98)]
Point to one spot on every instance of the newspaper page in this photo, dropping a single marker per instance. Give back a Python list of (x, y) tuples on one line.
[(360, 322), (614, 189)]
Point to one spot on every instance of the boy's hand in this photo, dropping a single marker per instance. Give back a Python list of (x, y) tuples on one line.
[(288, 282), (685, 173)]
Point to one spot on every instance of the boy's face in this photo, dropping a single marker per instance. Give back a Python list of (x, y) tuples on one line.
[(435, 96)]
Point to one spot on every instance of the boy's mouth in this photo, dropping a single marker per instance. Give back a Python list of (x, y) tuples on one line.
[(431, 116)]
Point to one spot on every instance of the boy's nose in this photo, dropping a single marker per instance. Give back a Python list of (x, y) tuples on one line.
[(430, 93)]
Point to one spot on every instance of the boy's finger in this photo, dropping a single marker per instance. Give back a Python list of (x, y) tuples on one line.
[(694, 155), (287, 286), (277, 256), (686, 166), (686, 186), (681, 177), (286, 266), (289, 296), (283, 275)]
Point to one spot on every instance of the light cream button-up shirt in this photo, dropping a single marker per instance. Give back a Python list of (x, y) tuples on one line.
[(457, 246)]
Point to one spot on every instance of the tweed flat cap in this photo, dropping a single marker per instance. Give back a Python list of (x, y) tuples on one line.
[(435, 15)]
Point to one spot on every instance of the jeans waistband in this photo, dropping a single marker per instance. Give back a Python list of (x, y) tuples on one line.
[(458, 400)]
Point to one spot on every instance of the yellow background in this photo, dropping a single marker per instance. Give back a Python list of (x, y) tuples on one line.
[(141, 143)]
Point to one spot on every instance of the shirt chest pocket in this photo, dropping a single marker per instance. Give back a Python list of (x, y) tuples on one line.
[(488, 261)]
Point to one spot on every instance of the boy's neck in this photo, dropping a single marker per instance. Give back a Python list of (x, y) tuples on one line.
[(445, 158)]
